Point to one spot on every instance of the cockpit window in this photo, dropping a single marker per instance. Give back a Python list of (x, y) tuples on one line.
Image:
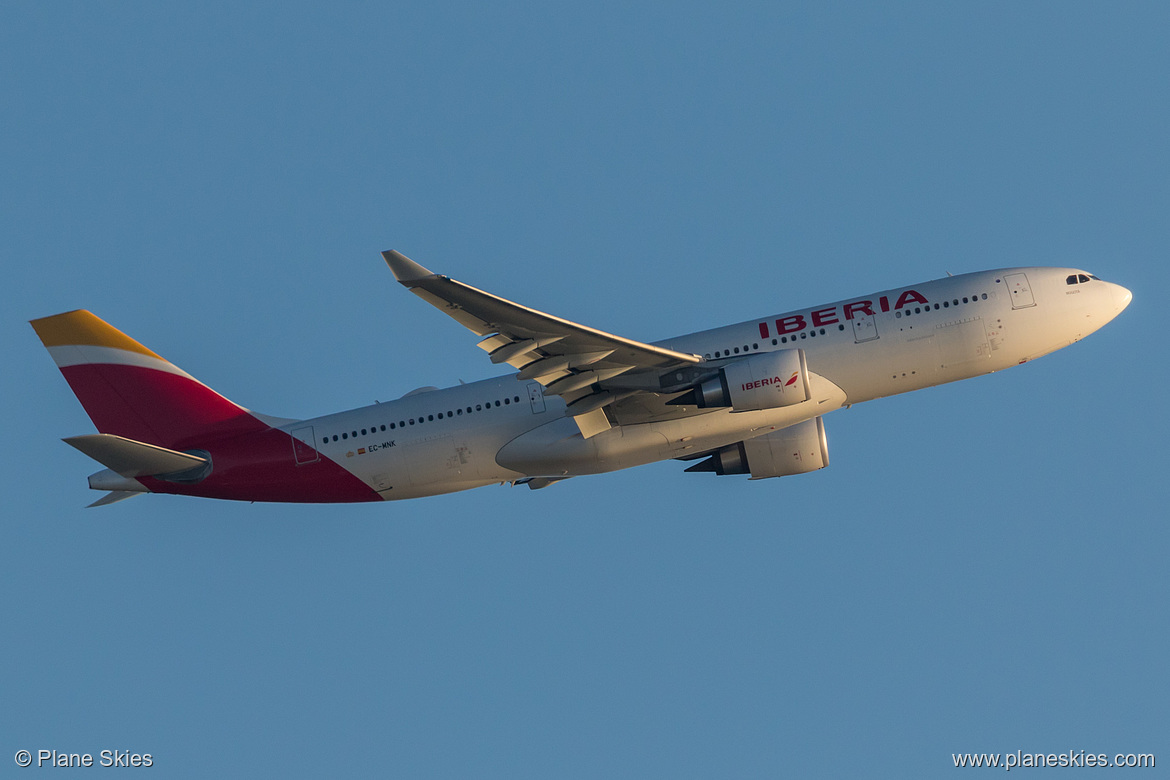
[(1082, 278), (1071, 280)]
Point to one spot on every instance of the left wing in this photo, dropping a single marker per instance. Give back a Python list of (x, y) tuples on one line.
[(589, 368)]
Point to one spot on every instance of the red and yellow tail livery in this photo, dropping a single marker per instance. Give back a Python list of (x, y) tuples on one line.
[(162, 430)]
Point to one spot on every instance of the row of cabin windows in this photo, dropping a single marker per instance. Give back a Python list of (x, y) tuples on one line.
[(944, 305), (726, 352), (775, 342), (420, 420), (782, 340), (804, 334), (814, 331)]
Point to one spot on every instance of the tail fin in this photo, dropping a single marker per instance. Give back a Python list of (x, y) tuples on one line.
[(129, 391)]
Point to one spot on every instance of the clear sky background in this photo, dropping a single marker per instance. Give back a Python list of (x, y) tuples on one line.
[(983, 567)]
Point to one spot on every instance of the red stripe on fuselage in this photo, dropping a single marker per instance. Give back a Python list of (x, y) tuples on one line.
[(262, 467)]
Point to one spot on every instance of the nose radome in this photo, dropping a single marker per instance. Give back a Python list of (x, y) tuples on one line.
[(1121, 297)]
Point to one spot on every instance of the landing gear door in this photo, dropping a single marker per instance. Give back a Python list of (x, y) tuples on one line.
[(1020, 290)]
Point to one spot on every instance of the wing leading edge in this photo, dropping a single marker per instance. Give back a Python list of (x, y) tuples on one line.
[(578, 363)]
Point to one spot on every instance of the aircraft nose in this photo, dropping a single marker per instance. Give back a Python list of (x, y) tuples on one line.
[(1121, 297)]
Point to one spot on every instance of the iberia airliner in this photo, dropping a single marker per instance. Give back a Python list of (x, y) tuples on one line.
[(748, 398)]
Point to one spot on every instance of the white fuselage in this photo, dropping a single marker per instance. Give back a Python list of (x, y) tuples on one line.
[(501, 429)]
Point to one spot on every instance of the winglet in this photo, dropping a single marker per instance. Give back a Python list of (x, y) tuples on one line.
[(405, 270)]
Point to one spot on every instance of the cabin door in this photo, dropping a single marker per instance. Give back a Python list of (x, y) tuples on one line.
[(1020, 290), (304, 443), (536, 397), (864, 328)]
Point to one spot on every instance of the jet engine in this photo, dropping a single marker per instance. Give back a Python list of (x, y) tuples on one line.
[(768, 380), (798, 449)]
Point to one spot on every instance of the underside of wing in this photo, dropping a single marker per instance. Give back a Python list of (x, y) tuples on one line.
[(589, 368)]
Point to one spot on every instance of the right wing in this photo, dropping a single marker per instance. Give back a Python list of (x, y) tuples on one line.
[(589, 368)]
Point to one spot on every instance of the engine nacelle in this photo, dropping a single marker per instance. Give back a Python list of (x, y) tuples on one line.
[(766, 381), (798, 449)]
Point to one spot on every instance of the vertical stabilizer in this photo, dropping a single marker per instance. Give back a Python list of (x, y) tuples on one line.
[(130, 391)]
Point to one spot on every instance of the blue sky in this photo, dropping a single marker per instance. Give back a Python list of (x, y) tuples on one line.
[(981, 569)]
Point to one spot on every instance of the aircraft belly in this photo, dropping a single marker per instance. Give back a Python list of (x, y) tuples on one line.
[(557, 449), (406, 490), (433, 466)]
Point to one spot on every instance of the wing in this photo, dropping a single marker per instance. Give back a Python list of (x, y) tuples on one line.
[(589, 368)]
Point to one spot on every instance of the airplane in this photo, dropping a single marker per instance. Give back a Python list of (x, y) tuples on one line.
[(747, 398)]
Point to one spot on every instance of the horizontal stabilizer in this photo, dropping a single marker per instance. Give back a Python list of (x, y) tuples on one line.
[(114, 496), (131, 458)]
